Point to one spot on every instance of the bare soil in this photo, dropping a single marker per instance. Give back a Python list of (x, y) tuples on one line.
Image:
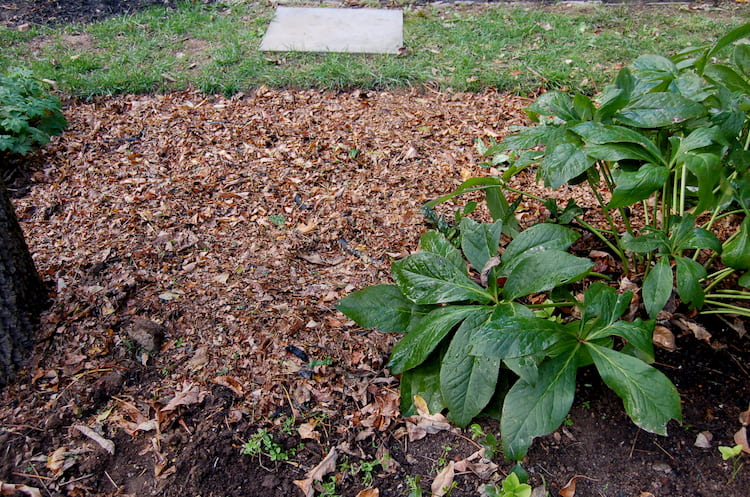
[(194, 247)]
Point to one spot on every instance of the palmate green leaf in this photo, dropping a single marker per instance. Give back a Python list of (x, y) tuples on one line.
[(423, 380), (426, 334), (660, 109), (524, 138), (542, 271), (536, 238), (565, 162), (638, 333), (480, 241), (657, 287), (435, 242), (737, 251), (467, 382), (428, 278), (615, 152), (650, 399), (634, 186), (531, 411), (689, 273), (594, 133), (383, 307), (698, 138)]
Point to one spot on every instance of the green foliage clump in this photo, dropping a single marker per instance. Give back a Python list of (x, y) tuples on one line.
[(670, 137), (29, 115)]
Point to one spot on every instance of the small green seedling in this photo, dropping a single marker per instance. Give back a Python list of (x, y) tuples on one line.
[(735, 454), (262, 443), (488, 440), (414, 489), (512, 487)]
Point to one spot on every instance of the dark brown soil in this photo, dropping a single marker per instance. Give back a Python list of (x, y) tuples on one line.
[(85, 372)]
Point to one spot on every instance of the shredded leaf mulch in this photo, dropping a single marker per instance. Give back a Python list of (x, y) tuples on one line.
[(195, 246)]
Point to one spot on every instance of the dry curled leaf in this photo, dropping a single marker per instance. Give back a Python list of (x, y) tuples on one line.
[(189, 395), (327, 465), (369, 492), (703, 440), (13, 489), (443, 481), (664, 338), (740, 438)]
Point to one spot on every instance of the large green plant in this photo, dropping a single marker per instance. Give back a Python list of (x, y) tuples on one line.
[(669, 136), (472, 336), (28, 114)]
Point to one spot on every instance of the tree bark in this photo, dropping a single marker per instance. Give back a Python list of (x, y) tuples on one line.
[(22, 294)]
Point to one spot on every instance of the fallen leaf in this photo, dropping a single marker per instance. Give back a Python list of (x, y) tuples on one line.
[(189, 395), (664, 338), (696, 329), (327, 465), (443, 481), (104, 443), (307, 431), (199, 359), (231, 383), (369, 492), (740, 438), (12, 489), (477, 464), (56, 460), (703, 440), (569, 490)]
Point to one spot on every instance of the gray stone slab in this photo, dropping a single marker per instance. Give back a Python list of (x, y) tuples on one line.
[(302, 29)]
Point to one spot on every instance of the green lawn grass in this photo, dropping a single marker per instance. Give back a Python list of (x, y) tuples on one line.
[(517, 48)]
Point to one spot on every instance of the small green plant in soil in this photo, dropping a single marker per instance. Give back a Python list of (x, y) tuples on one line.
[(262, 443), (488, 440), (735, 455), (511, 487), (413, 482), (29, 115)]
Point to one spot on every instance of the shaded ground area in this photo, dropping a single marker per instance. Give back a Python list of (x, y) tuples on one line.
[(219, 233)]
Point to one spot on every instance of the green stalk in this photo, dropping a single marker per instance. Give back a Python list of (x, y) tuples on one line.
[(717, 278), (552, 304), (726, 309), (683, 190), (609, 244)]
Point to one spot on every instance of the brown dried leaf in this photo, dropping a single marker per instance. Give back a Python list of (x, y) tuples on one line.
[(703, 440), (696, 329), (740, 438), (231, 383), (12, 489), (190, 394), (569, 490), (307, 431), (664, 338), (56, 460), (104, 443), (327, 465), (443, 481), (369, 492)]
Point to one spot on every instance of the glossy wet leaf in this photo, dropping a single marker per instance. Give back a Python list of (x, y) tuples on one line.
[(480, 241), (544, 270), (565, 162), (467, 381), (634, 186), (425, 336), (537, 238), (650, 399), (429, 278), (657, 287), (688, 276), (655, 110), (531, 411), (383, 307)]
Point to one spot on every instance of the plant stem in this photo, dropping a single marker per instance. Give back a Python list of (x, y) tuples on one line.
[(717, 277), (609, 244)]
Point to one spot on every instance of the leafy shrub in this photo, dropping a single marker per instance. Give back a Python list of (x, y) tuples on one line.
[(670, 136), (28, 114), (470, 335)]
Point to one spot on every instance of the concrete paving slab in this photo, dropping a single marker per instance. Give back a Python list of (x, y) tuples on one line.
[(303, 29)]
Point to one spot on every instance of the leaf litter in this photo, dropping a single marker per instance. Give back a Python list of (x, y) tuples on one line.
[(181, 300)]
